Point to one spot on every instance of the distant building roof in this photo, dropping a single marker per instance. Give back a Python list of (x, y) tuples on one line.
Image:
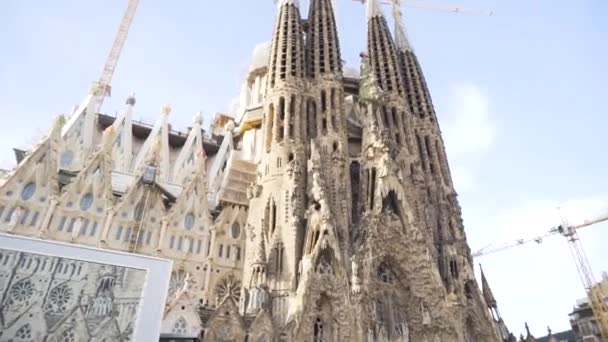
[(564, 336)]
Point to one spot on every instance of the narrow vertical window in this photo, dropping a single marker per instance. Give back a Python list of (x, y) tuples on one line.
[(318, 331), (118, 233), (292, 116), (372, 188), (93, 229), (312, 119), (323, 101), (34, 219), (281, 119), (269, 126), (128, 234), (273, 218)]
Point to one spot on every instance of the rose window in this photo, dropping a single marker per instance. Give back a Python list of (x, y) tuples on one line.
[(21, 291), (59, 298), (229, 287), (179, 281)]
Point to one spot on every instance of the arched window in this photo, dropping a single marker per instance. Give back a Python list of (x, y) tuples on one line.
[(454, 268), (312, 119), (235, 230), (269, 126), (385, 117), (28, 191), (189, 221), (86, 201), (281, 119), (372, 187), (273, 217), (318, 331), (394, 115), (279, 252), (420, 151), (323, 101), (385, 274), (292, 116)]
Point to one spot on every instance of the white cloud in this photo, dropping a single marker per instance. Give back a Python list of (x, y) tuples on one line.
[(467, 125), (468, 130)]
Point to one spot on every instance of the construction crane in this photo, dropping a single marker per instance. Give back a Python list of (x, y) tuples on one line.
[(540, 238), (595, 294), (441, 7), (102, 87)]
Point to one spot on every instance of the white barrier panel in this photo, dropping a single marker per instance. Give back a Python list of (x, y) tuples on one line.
[(53, 291)]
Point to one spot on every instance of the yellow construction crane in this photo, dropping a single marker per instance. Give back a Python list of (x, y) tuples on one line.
[(441, 7), (102, 88), (595, 294)]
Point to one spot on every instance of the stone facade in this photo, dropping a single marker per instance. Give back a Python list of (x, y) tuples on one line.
[(321, 208)]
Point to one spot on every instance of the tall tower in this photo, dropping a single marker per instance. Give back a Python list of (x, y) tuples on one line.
[(277, 203), (349, 247), (326, 117), (450, 250), (391, 120)]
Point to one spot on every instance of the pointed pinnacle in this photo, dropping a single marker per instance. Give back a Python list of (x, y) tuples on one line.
[(373, 9)]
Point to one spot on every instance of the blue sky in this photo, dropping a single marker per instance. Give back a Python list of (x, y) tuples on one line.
[(520, 98)]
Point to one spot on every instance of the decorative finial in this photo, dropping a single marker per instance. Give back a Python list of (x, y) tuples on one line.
[(373, 9), (369, 91), (549, 330), (166, 109), (108, 136), (401, 39), (198, 118), (287, 2), (131, 99), (527, 328)]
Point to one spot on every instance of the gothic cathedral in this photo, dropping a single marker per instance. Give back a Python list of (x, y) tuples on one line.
[(321, 208)]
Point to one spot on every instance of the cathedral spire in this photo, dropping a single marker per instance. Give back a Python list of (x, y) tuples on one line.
[(280, 3), (322, 44), (373, 9), (191, 152), (487, 291), (156, 146), (287, 50), (382, 50), (401, 38), (122, 153)]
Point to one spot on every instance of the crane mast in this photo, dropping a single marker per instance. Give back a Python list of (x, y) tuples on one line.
[(597, 298), (435, 6), (102, 87), (595, 294), (79, 129)]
